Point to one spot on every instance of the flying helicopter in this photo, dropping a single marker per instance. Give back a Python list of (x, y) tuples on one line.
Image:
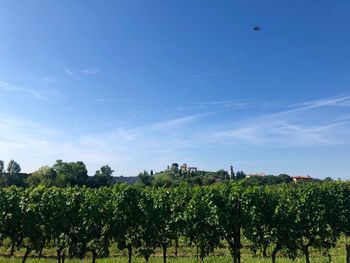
[(257, 28)]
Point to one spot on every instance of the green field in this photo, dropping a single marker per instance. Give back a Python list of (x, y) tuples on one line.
[(185, 255), (210, 259), (177, 260)]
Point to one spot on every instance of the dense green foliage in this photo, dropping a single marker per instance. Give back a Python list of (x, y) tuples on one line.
[(63, 174), (77, 220)]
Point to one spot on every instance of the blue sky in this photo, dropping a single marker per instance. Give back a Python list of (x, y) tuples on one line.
[(141, 84)]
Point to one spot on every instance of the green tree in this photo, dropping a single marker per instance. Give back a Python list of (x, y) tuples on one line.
[(45, 175), (13, 168), (73, 173), (2, 170), (174, 168), (240, 175), (2, 167), (103, 176), (144, 178), (33, 180), (285, 178), (163, 179), (222, 175), (328, 179), (13, 174)]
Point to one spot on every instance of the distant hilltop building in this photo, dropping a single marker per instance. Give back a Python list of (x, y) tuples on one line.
[(256, 174), (300, 178), (186, 168)]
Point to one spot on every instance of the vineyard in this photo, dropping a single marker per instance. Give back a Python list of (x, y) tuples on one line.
[(270, 221)]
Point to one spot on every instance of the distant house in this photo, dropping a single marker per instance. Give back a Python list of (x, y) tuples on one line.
[(192, 169), (300, 178), (185, 168), (256, 175)]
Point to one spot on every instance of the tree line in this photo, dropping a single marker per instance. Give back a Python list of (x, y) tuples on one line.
[(63, 174), (75, 221)]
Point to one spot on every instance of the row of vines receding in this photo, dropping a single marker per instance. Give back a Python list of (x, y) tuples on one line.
[(76, 221)]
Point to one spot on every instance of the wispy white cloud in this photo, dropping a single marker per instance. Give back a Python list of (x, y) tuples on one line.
[(4, 86), (269, 133), (176, 122), (306, 124), (47, 80), (119, 135), (128, 150), (131, 149), (19, 136), (42, 93), (118, 100), (90, 71), (343, 101), (77, 74), (70, 73), (218, 103), (15, 124)]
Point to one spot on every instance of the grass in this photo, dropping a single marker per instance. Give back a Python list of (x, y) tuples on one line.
[(186, 255), (211, 259)]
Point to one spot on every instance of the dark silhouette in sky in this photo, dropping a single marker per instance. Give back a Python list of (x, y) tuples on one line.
[(257, 28)]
